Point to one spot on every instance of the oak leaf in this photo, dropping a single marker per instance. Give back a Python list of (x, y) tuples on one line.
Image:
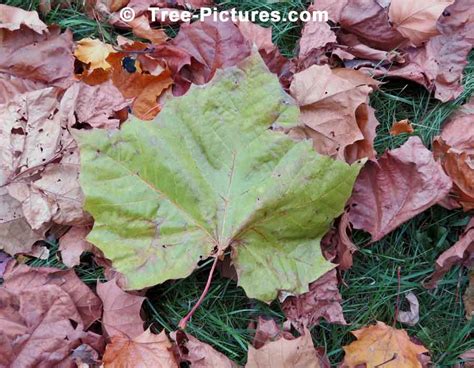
[(121, 310), (382, 345), (416, 20), (399, 185), (207, 175), (145, 350)]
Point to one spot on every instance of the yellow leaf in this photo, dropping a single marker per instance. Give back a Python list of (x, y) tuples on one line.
[(382, 346), (93, 52)]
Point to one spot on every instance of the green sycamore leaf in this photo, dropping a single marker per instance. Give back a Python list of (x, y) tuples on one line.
[(209, 174)]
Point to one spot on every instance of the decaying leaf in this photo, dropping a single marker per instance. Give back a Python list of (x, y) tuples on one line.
[(412, 316), (334, 111), (199, 354), (121, 310), (314, 38), (145, 350), (458, 18), (462, 252), (207, 175), (380, 345), (283, 353), (321, 301), (402, 126), (416, 20), (399, 185)]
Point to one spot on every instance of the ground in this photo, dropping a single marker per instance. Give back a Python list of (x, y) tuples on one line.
[(370, 288)]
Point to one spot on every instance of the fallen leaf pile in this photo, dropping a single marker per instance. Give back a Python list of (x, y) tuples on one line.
[(152, 156)]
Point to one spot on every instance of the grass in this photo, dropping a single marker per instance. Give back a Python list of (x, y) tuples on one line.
[(370, 288)]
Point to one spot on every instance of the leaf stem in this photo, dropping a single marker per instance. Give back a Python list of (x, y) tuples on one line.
[(397, 305), (184, 321)]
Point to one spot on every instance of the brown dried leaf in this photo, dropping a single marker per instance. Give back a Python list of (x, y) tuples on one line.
[(334, 110), (296, 353), (212, 45), (121, 310), (199, 354), (458, 18), (416, 20), (22, 54), (22, 277), (462, 252), (368, 20), (381, 345), (141, 28), (37, 326), (145, 350), (314, 39), (322, 301), (438, 65), (267, 330), (73, 244), (399, 185), (402, 126), (13, 18), (93, 105), (455, 151)]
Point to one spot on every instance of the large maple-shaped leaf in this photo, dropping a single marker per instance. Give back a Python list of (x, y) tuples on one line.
[(209, 174)]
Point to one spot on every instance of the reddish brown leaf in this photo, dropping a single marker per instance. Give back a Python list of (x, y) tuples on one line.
[(402, 126), (369, 21), (145, 350), (73, 244), (399, 185), (13, 19), (314, 39), (267, 330), (322, 301), (462, 252), (212, 45), (438, 65), (21, 277), (455, 151), (458, 18), (199, 354), (337, 245), (22, 54), (121, 310)]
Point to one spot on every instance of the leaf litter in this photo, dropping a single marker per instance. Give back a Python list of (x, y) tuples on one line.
[(163, 194)]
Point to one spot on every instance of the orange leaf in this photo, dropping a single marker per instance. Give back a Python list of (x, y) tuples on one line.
[(402, 126), (382, 346)]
